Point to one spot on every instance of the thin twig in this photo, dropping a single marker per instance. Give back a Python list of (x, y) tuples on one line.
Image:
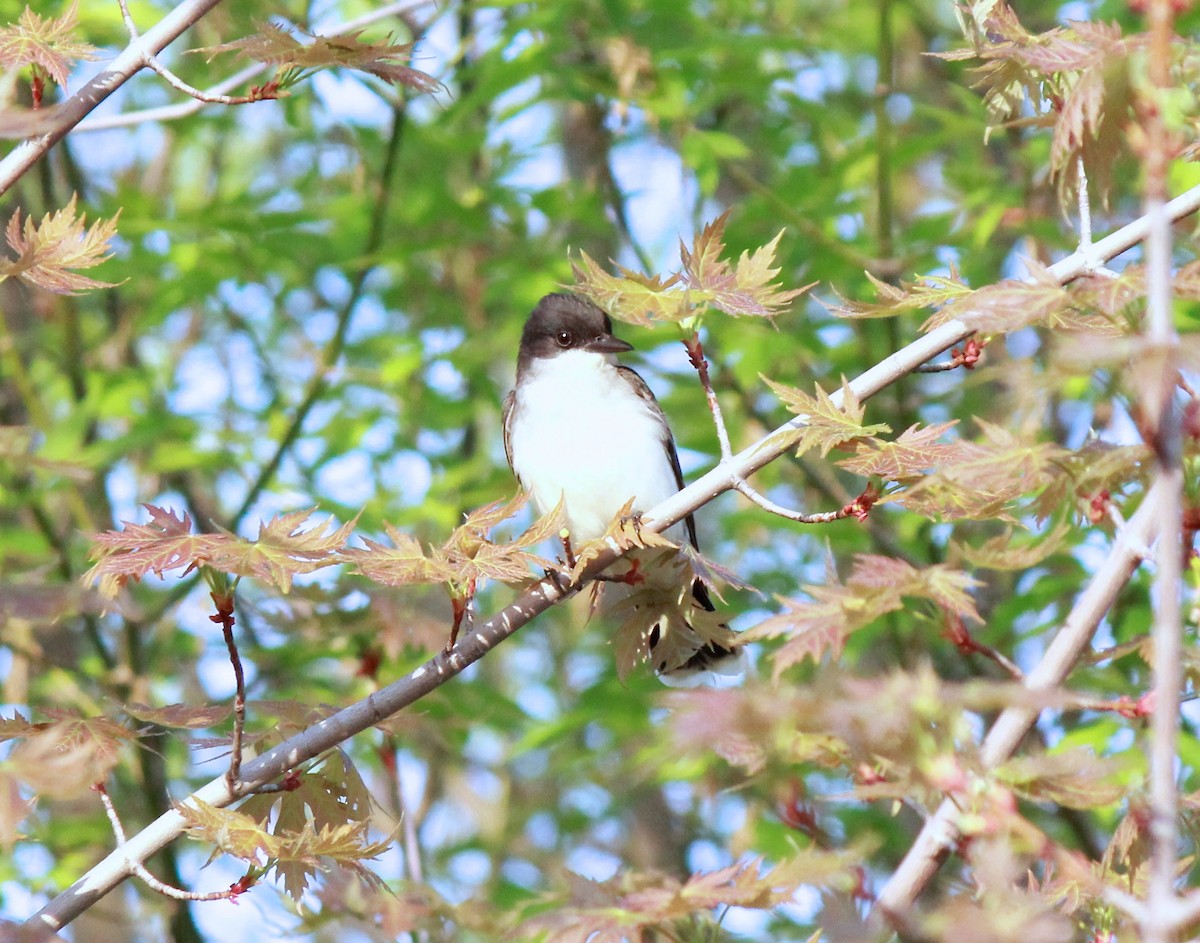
[(140, 871), (858, 508), (176, 82), (225, 618), (351, 720)]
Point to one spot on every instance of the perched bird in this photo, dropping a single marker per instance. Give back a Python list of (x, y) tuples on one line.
[(580, 428)]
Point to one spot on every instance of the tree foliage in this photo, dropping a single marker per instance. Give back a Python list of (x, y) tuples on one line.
[(251, 367)]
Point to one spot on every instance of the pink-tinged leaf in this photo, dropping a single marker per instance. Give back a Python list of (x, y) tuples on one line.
[(14, 809), (712, 574), (45, 42), (744, 290), (468, 555), (1010, 305), (282, 550), (910, 455), (706, 280), (931, 291), (273, 45), (65, 758), (185, 716), (877, 585), (50, 253)]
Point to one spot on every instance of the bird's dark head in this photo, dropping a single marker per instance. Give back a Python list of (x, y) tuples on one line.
[(563, 322)]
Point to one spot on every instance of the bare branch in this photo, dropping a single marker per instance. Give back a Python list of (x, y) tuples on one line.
[(738, 483), (175, 81), (940, 832), (218, 92), (352, 720), (140, 871), (127, 64), (1164, 422)]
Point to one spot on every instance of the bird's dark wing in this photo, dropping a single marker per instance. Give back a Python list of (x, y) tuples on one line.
[(631, 376), (509, 402)]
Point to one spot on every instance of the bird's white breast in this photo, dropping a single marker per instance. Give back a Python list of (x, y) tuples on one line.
[(579, 431)]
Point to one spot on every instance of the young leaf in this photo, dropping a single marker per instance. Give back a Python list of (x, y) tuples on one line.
[(273, 45), (65, 758), (876, 586), (826, 425), (744, 290), (468, 555), (47, 43), (931, 291), (909, 456), (281, 551), (630, 297), (50, 252)]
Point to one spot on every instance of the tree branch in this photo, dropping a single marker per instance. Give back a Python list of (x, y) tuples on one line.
[(1164, 428), (217, 91), (128, 63), (940, 832), (376, 708)]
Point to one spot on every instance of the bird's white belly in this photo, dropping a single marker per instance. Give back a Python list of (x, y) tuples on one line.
[(591, 441)]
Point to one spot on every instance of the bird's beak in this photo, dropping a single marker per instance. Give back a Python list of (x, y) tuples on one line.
[(607, 344)]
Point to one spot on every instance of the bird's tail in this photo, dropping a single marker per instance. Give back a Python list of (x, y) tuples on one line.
[(708, 656)]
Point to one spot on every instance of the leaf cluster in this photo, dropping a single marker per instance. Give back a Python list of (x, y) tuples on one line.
[(282, 550), (47, 43), (295, 59), (50, 253), (746, 288)]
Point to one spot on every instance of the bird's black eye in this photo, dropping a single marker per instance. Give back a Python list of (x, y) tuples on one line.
[(564, 338)]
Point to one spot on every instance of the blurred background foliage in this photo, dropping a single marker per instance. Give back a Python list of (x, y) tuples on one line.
[(319, 303)]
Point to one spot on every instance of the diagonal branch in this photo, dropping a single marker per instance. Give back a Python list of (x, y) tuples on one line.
[(238, 79), (128, 63), (376, 708), (940, 832)]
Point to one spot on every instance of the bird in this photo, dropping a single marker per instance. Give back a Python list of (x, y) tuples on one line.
[(584, 430)]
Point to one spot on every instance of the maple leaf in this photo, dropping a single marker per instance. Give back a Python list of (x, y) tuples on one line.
[(1012, 304), (50, 252), (166, 542), (404, 562), (625, 906), (1001, 553), (273, 45), (1075, 778), (908, 456), (876, 585), (283, 549), (744, 290), (14, 809), (629, 296), (712, 574), (468, 554), (982, 479), (1076, 78), (927, 292), (66, 757), (826, 425), (325, 819), (44, 42), (683, 628), (185, 716)]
